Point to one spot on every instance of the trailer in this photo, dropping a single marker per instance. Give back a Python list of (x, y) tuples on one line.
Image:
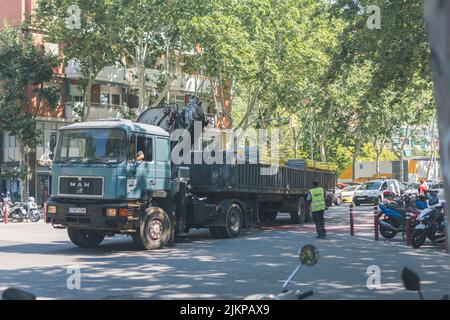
[(117, 177)]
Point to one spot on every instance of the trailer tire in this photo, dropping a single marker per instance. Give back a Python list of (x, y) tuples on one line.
[(85, 238), (233, 223), (155, 229), (299, 215)]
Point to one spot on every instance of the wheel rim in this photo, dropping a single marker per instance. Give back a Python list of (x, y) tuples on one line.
[(156, 229), (233, 221)]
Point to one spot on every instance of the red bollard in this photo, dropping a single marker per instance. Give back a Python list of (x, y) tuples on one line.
[(5, 212), (352, 221), (408, 229), (45, 212), (376, 217)]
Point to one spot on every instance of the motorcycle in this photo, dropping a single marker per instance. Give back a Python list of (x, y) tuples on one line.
[(16, 211), (393, 215), (431, 223), (308, 256), (32, 212)]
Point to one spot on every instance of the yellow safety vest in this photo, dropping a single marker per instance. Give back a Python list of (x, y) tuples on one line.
[(317, 199)]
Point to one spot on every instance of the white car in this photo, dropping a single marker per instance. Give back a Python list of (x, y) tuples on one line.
[(373, 191)]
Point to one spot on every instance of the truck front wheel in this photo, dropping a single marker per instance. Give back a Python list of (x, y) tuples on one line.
[(155, 230), (85, 238)]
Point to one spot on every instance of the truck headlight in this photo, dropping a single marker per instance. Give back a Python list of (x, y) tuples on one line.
[(111, 212), (51, 209)]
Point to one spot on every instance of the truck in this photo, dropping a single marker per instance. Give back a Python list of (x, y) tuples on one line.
[(116, 177)]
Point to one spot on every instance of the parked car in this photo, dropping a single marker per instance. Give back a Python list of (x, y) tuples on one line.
[(373, 191), (348, 193), (337, 198)]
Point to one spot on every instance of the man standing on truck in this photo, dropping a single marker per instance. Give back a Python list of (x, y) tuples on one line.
[(316, 200)]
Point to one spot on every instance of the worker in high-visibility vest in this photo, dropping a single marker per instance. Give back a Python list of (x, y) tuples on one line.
[(316, 199)]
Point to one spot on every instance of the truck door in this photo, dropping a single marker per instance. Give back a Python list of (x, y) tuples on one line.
[(163, 168), (142, 171)]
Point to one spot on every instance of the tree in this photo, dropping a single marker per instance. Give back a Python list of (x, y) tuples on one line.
[(437, 14), (90, 40), (23, 66)]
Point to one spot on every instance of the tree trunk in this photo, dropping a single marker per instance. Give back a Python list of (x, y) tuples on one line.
[(142, 85), (23, 164), (402, 169), (377, 165), (88, 94), (437, 16), (323, 151)]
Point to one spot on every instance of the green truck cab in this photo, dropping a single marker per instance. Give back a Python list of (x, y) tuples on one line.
[(99, 185)]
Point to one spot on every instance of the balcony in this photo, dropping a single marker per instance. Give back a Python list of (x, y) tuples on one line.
[(98, 111)]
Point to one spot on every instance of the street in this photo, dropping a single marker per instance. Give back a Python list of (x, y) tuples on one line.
[(35, 257)]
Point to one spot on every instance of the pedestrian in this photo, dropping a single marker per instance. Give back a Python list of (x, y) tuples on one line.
[(316, 199), (423, 188)]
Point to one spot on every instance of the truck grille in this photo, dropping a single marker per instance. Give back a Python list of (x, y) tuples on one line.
[(81, 186)]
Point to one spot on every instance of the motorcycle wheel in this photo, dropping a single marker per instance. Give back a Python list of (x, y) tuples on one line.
[(418, 238), (35, 216), (388, 233)]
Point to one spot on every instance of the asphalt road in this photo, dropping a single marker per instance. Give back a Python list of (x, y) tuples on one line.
[(36, 257)]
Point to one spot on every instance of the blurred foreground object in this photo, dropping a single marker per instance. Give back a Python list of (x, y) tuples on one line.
[(437, 17)]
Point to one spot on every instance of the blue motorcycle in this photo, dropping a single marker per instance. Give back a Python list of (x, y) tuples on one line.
[(431, 224), (393, 216)]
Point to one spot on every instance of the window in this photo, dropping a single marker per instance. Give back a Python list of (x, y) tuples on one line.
[(145, 144), (91, 146), (104, 98), (384, 186), (115, 99), (133, 152)]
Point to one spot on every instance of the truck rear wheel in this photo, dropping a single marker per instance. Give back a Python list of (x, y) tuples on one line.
[(299, 215), (155, 229), (233, 223), (85, 238)]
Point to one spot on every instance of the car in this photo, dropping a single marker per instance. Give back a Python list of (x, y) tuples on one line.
[(348, 193), (372, 192), (337, 199)]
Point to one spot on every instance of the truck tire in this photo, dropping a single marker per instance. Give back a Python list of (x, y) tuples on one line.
[(299, 215), (85, 238), (233, 223), (155, 230)]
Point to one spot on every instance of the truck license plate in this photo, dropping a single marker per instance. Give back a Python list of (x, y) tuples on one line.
[(78, 210)]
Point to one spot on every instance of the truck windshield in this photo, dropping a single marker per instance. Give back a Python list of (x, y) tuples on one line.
[(91, 146)]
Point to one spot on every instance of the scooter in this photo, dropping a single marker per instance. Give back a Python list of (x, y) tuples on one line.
[(431, 223), (308, 256), (394, 214), (32, 211), (16, 211)]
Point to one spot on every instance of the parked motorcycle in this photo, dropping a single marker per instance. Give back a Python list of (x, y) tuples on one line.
[(431, 223), (308, 256), (16, 211), (393, 215), (32, 211)]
